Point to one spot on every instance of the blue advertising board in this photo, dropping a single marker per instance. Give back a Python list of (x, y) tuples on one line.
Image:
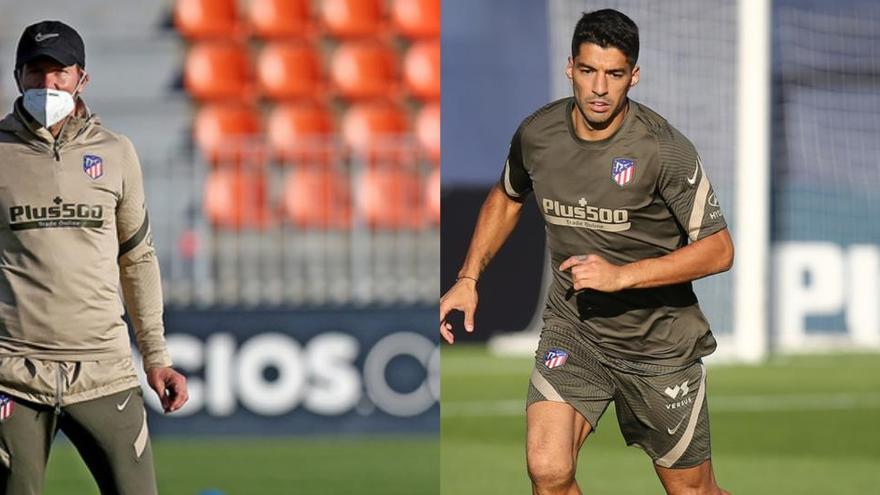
[(280, 372)]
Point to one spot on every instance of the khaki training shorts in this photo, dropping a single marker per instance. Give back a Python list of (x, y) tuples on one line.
[(661, 409)]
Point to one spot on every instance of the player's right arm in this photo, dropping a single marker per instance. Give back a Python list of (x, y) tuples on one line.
[(498, 216)]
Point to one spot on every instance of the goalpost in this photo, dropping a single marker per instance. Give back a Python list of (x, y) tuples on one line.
[(752, 210)]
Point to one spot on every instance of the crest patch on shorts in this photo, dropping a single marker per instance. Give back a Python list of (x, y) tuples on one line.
[(555, 358), (6, 405)]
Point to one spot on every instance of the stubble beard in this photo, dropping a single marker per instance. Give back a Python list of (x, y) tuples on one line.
[(598, 125)]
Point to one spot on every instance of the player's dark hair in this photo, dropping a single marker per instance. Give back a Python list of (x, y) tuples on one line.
[(607, 28)]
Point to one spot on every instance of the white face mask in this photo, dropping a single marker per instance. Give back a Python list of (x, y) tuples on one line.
[(48, 106)]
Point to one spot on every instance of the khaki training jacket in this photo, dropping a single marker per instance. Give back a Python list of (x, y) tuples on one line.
[(73, 225)]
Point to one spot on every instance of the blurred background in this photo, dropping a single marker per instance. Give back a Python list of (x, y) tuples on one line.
[(290, 151), (795, 389)]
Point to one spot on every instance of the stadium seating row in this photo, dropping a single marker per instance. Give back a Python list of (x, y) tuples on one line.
[(272, 19), (358, 70), (351, 112), (304, 132), (321, 198)]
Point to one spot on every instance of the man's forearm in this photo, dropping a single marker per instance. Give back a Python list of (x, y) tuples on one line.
[(498, 216), (142, 289), (710, 255)]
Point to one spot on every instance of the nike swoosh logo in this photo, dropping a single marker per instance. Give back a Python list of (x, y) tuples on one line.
[(120, 407), (693, 178), (42, 37), (672, 431)]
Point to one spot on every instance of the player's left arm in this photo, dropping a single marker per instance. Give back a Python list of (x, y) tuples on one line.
[(707, 256), (685, 189), (141, 286)]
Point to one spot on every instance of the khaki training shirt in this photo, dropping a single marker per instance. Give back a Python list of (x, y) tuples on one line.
[(640, 193), (73, 225)]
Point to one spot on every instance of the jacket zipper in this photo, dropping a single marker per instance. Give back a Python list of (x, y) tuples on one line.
[(56, 145)]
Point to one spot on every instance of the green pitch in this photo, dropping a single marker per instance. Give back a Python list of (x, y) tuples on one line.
[(797, 425), (380, 466)]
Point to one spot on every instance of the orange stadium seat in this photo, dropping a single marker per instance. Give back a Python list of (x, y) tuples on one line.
[(432, 196), (352, 18), (416, 18), (317, 198), (368, 128), (225, 134), (428, 130), (199, 19), (421, 69), (218, 71), (301, 134), (237, 200), (389, 199), (280, 18), (289, 70), (364, 70)]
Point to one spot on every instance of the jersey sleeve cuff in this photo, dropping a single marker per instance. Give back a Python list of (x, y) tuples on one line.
[(158, 359)]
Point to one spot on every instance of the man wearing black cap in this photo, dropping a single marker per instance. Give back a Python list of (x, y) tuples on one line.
[(73, 229)]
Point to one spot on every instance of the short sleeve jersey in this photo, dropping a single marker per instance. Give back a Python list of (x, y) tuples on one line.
[(641, 193)]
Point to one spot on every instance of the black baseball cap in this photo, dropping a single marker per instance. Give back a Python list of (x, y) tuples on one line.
[(50, 39)]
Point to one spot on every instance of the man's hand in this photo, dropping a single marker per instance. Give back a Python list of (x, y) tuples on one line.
[(593, 272), (463, 297), (170, 386)]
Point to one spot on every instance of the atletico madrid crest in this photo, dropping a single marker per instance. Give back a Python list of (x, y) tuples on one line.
[(93, 166), (555, 358), (623, 170), (6, 405)]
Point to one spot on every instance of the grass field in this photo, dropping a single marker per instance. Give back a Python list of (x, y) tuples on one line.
[(797, 425), (319, 466)]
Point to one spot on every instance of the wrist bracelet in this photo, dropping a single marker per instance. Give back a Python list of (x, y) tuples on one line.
[(465, 276)]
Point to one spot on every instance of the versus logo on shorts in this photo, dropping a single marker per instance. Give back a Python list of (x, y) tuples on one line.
[(555, 358), (673, 392), (6, 406), (679, 392)]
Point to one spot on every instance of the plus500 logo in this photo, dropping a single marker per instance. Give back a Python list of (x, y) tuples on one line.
[(321, 377)]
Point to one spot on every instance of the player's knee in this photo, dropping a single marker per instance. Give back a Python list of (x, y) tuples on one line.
[(550, 469)]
